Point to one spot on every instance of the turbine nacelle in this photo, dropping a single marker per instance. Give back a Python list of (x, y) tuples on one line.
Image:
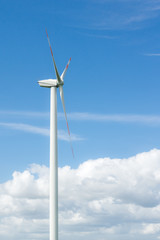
[(48, 83)]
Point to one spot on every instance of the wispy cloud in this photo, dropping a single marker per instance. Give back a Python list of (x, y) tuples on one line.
[(152, 54), (121, 118), (76, 116), (115, 14), (62, 135), (26, 128), (27, 114), (97, 35)]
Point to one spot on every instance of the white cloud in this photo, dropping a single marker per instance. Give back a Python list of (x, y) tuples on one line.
[(27, 114), (77, 116), (62, 135), (26, 128), (151, 228), (23, 205), (101, 199), (115, 14), (152, 54), (120, 118)]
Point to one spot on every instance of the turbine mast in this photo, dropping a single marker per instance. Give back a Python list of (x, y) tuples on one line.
[(53, 166), (53, 84)]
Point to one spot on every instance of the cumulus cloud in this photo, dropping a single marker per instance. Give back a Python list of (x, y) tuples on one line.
[(24, 205), (101, 199)]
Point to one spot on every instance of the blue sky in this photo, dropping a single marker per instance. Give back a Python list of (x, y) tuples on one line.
[(111, 88), (112, 72)]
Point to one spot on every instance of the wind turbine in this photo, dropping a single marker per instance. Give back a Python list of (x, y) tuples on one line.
[(53, 84)]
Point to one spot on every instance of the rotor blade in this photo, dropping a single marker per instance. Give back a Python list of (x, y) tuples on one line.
[(64, 72), (62, 99), (56, 71)]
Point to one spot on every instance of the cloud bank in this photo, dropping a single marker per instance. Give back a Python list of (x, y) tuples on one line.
[(101, 199)]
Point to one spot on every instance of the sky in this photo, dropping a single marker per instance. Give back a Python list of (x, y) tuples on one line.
[(111, 189)]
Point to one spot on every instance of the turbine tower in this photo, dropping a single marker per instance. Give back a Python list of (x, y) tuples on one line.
[(53, 84)]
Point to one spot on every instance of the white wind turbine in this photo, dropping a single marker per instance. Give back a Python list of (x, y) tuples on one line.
[(53, 84)]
